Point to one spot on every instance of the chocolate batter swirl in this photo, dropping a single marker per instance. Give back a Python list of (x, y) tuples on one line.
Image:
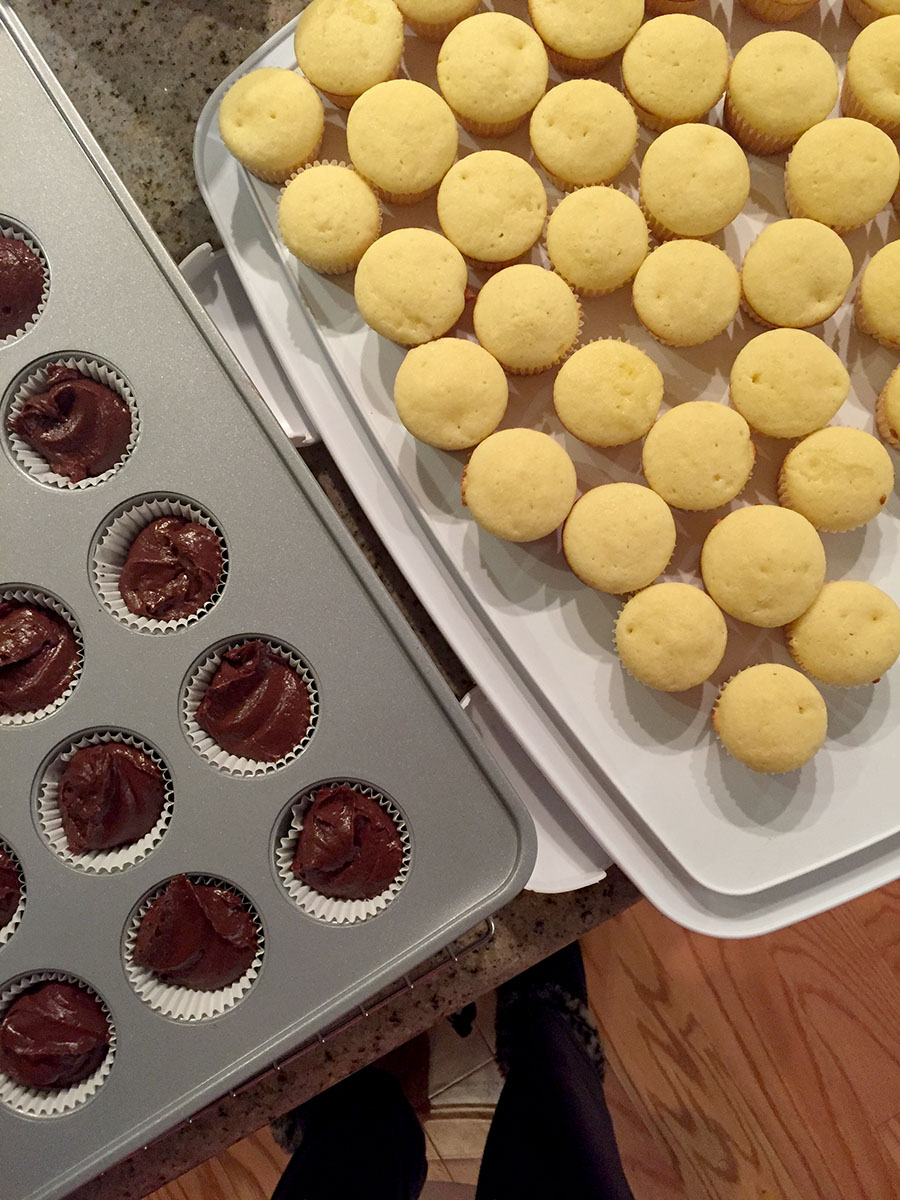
[(21, 285), (38, 657), (10, 888), (349, 847), (53, 1036), (173, 568), (109, 795)]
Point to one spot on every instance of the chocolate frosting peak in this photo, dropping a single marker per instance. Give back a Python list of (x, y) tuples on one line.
[(109, 795), (21, 285), (173, 568), (256, 705), (349, 847), (53, 1036), (38, 657), (196, 936), (10, 888), (78, 425)]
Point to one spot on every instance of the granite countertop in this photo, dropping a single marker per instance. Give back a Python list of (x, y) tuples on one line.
[(139, 72)]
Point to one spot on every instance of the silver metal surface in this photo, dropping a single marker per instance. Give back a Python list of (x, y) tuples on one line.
[(386, 717)]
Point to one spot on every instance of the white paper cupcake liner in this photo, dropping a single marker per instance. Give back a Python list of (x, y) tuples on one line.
[(53, 1102), (28, 595), (198, 681), (49, 817), (37, 380), (326, 908), (116, 539), (18, 234), (182, 1003), (13, 923)]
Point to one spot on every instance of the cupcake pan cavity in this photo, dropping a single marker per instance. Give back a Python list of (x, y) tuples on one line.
[(307, 899), (34, 379), (10, 228), (206, 446), (113, 541), (22, 594), (182, 1003)]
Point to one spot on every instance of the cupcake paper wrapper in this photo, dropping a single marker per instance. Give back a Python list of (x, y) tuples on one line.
[(19, 235), (775, 11), (864, 325), (350, 264), (860, 11), (99, 862), (326, 908), (14, 921), (881, 418), (752, 139), (574, 66), (182, 1003), (112, 550), (852, 106), (195, 689), (35, 464), (660, 8), (56, 1102), (45, 600), (436, 32)]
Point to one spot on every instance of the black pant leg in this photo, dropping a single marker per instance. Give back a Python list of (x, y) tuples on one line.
[(361, 1141), (552, 1136)]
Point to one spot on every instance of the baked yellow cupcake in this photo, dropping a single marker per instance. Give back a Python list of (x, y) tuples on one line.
[(698, 455), (780, 84), (596, 239), (787, 383), (849, 636), (450, 393), (329, 217), (686, 292), (763, 564), (694, 181), (887, 410), (519, 484), (528, 318), (867, 11), (492, 70), (877, 304), (619, 537), (796, 273), (492, 206), (272, 121), (674, 70), (580, 35), (838, 478), (433, 19), (671, 636), (583, 133), (345, 47), (777, 11), (608, 393), (402, 138), (410, 286), (842, 173), (871, 88), (770, 718)]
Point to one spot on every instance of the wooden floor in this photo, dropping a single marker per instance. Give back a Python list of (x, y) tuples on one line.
[(754, 1070)]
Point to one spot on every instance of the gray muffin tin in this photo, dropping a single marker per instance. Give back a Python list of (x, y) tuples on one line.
[(386, 718)]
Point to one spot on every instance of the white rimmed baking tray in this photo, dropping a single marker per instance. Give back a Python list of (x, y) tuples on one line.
[(550, 668)]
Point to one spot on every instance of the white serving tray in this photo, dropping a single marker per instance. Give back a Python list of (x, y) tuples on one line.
[(525, 619)]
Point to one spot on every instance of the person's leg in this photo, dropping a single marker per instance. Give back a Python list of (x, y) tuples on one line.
[(360, 1140), (551, 1134)]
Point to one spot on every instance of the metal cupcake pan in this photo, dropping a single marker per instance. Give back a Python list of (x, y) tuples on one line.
[(294, 577)]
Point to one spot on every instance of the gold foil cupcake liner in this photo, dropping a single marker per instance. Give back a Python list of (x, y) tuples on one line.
[(351, 264), (17, 233), (49, 817), (37, 380), (885, 431), (15, 920), (313, 903), (113, 543), (198, 680), (36, 596), (53, 1102), (183, 1003)]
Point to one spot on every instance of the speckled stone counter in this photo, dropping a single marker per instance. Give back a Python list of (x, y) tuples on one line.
[(139, 71)]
